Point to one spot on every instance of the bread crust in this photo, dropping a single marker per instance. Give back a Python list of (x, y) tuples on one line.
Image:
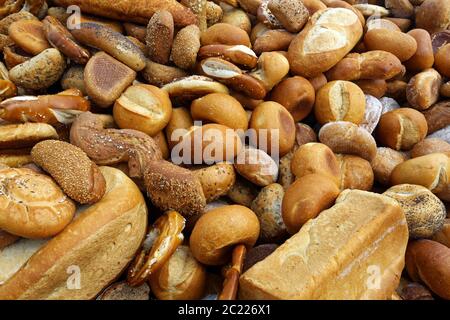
[(363, 230), (101, 242), (139, 11)]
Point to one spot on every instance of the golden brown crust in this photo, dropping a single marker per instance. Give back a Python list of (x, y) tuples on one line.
[(138, 11), (218, 230), (29, 35), (105, 79), (171, 187), (315, 158), (224, 33), (363, 229), (306, 198), (356, 172), (346, 137), (160, 31), (62, 39), (7, 239), (15, 158), (32, 204), (296, 94), (216, 180), (431, 171), (78, 176), (340, 101), (267, 207), (428, 261), (181, 277), (430, 145), (111, 42), (144, 108)]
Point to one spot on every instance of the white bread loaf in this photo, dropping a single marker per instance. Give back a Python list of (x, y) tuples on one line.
[(328, 36), (101, 242), (337, 255)]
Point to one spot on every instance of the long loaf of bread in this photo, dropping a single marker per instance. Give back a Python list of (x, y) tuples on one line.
[(139, 11), (354, 250)]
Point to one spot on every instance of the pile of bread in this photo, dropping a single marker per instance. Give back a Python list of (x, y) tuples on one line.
[(100, 100)]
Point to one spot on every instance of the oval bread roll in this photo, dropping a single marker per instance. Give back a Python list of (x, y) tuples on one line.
[(329, 35)]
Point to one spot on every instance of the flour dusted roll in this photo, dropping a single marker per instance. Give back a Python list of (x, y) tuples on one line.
[(99, 243)]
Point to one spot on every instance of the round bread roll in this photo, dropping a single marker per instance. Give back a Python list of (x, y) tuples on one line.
[(267, 206), (98, 245), (180, 278), (219, 230), (356, 172), (77, 175), (340, 101), (32, 205), (424, 212)]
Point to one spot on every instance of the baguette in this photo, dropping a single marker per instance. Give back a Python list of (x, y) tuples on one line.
[(328, 36), (363, 232), (429, 261), (139, 11), (100, 242)]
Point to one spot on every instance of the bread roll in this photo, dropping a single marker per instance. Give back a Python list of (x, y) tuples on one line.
[(25, 135), (328, 36), (138, 11), (100, 242), (366, 234), (428, 261)]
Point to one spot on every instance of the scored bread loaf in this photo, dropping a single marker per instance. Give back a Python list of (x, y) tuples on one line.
[(96, 246), (328, 36), (354, 250)]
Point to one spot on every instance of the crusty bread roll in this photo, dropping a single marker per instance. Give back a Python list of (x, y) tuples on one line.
[(337, 255), (101, 241), (328, 36), (180, 278), (25, 134)]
